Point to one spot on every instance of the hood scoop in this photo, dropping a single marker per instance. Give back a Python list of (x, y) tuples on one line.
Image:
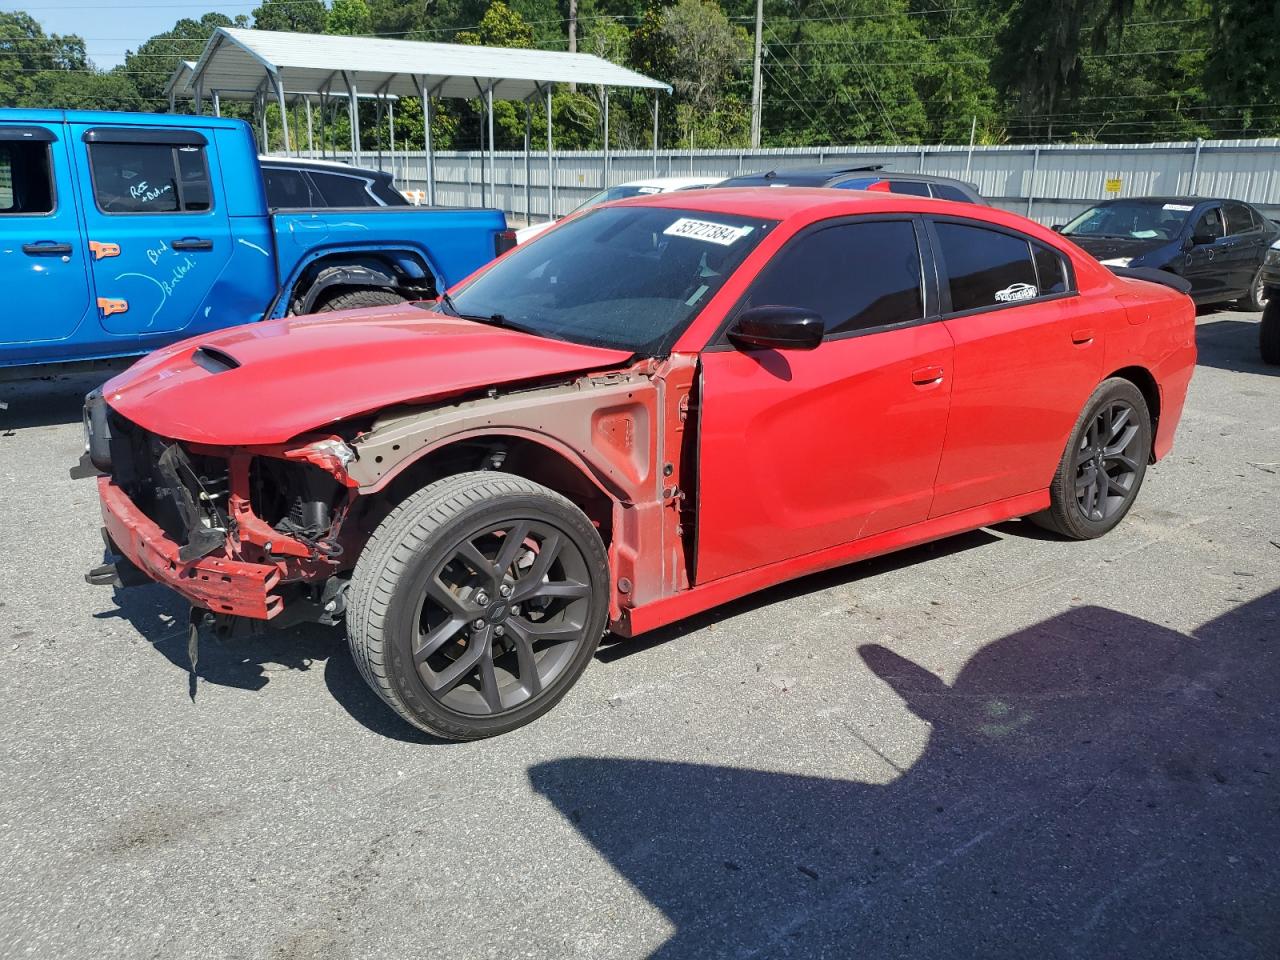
[(214, 360)]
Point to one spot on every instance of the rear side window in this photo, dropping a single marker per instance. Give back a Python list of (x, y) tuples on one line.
[(985, 268), (149, 178), (944, 191), (385, 191), (1239, 218), (912, 188), (855, 275), (1051, 270), (26, 184), (342, 191), (286, 188)]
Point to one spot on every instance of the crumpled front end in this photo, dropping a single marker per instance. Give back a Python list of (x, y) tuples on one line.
[(237, 531)]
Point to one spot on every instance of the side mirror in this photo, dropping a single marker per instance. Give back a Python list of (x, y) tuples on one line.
[(1057, 227), (776, 328)]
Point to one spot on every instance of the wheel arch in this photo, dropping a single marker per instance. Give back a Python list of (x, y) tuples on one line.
[(524, 453), (407, 271), (1145, 381)]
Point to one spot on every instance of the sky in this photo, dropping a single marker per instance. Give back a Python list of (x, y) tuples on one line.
[(110, 28)]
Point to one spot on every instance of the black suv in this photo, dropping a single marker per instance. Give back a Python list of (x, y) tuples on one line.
[(1218, 246), (866, 177), (295, 184)]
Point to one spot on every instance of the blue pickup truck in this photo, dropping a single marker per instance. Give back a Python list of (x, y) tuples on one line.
[(121, 232)]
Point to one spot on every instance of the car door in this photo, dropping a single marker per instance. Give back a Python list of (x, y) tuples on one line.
[(42, 258), (159, 236), (1201, 264), (1028, 353), (1243, 247), (804, 450)]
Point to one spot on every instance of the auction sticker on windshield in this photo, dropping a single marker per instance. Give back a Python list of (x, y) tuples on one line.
[(707, 231)]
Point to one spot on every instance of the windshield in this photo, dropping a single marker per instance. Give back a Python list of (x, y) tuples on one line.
[(616, 193), (1131, 221), (630, 278)]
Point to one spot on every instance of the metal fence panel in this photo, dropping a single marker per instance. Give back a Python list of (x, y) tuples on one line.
[(1050, 182)]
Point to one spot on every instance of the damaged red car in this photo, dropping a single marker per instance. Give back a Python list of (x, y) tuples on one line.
[(656, 407)]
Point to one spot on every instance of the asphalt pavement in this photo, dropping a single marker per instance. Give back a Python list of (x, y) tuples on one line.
[(1000, 745)]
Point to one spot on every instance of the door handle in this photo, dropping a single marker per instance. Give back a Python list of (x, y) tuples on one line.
[(46, 248), (926, 376), (1081, 337), (192, 243)]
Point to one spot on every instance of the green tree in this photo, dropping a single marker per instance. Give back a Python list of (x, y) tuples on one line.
[(296, 16), (706, 51), (349, 18), (152, 64), (26, 52), (1242, 75)]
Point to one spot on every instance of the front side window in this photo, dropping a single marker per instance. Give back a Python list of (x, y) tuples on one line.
[(26, 182), (631, 278), (1210, 226), (149, 178), (854, 275), (985, 268)]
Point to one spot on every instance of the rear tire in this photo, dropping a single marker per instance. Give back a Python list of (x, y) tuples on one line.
[(1269, 334), (477, 603), (1255, 301), (1104, 463), (356, 299)]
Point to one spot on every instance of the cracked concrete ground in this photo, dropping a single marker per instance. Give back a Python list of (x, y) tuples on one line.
[(1000, 745)]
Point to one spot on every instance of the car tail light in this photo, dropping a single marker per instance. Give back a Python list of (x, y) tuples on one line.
[(503, 241)]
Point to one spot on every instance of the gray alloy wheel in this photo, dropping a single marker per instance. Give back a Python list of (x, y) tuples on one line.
[(1255, 300), (1103, 465), (477, 603)]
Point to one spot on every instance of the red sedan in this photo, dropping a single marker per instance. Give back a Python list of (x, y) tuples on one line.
[(656, 407)]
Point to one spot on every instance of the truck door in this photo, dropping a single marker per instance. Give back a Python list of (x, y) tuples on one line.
[(158, 237), (46, 284)]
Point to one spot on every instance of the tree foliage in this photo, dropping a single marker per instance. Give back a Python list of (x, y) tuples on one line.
[(880, 71)]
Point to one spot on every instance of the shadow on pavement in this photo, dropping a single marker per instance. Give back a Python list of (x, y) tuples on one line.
[(1231, 345), (160, 616), (47, 401), (1093, 786)]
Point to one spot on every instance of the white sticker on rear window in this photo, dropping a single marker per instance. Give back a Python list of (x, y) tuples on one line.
[(1016, 291), (707, 231), (1181, 207)]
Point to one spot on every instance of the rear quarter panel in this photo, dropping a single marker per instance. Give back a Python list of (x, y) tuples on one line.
[(1159, 335)]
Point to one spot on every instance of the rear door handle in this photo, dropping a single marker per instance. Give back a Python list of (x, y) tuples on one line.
[(1081, 337), (925, 376), (192, 243), (46, 248)]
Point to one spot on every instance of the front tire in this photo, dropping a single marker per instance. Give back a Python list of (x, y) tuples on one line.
[(1104, 463), (1269, 334), (477, 604)]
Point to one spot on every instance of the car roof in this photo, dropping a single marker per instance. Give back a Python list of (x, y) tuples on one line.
[(335, 165), (817, 203), (831, 175), (672, 183), (1185, 201)]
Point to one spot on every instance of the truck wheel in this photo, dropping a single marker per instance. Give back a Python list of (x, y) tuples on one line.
[(1269, 335), (1101, 470), (477, 604), (355, 299)]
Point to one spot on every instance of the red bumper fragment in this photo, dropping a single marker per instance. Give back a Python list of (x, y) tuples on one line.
[(223, 586)]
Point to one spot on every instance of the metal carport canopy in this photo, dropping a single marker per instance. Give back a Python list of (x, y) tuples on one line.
[(243, 64)]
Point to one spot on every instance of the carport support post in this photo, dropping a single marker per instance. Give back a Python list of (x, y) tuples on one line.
[(605, 172), (353, 111), (528, 162), (1195, 167), (551, 166), (284, 113), (655, 133), (493, 172), (1031, 185), (217, 104), (311, 141)]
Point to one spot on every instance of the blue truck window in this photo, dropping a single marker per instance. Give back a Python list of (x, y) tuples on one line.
[(26, 185), (149, 178)]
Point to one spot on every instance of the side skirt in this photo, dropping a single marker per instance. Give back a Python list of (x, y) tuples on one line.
[(659, 613)]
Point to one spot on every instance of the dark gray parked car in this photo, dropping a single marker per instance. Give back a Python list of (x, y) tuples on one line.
[(297, 184)]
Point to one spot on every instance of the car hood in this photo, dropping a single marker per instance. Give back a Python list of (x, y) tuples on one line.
[(1105, 248), (268, 382)]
